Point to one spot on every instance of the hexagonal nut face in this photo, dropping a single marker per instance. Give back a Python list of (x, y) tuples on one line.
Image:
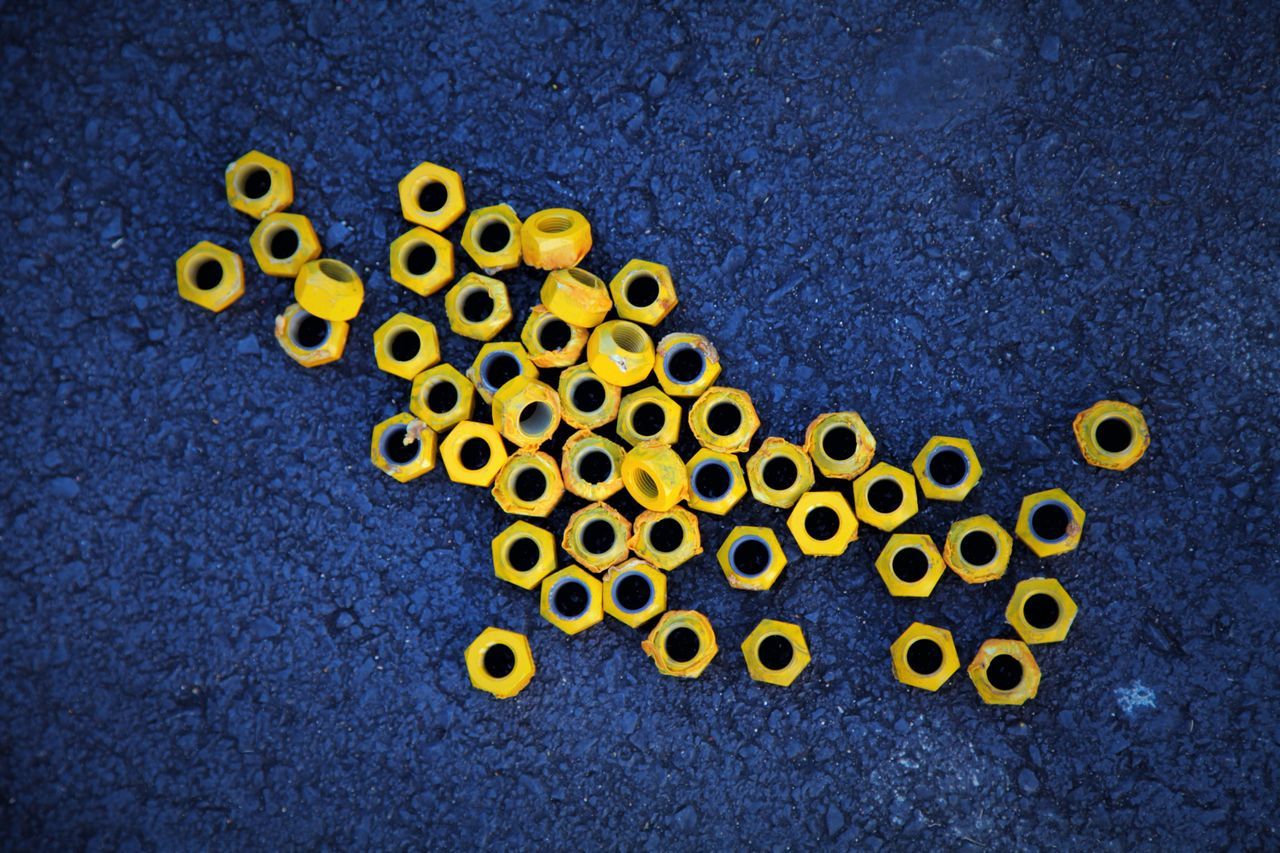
[(329, 289), (492, 238), (947, 468), (649, 415), (840, 444), (478, 307), (724, 419), (643, 292), (924, 656), (258, 185), (910, 565), (309, 340), (685, 364), (473, 454), (283, 242), (432, 196), (596, 537), (1050, 523), (591, 466), (586, 400), (442, 397), (716, 482), (885, 497), (523, 554), (403, 447), (526, 412), (1005, 672), (550, 341), (577, 297), (666, 540), (681, 644), (655, 476), (500, 662), (779, 473), (529, 484), (977, 549), (572, 600), (405, 346), (620, 352), (422, 261), (634, 592), (210, 276), (751, 558), (823, 524), (555, 238), (776, 652), (1040, 611), (1112, 434), (497, 364)]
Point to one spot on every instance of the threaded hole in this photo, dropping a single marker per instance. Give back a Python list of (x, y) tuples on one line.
[(584, 277), (1004, 672), (682, 644), (750, 556), (978, 548), (554, 224), (337, 270), (724, 418), (420, 259), (641, 290), (594, 467), (476, 305), (255, 182), (632, 592), (524, 553), (553, 334), (645, 484), (432, 196), (530, 485), (495, 235), (666, 535), (685, 364), (404, 344), (910, 565), (775, 652), (283, 243), (588, 395), (1041, 611), (924, 657), (570, 598), (712, 480), (1114, 435), (948, 467), (885, 495), (499, 660), (821, 523), (1049, 521), (598, 536), (475, 453), (629, 337), (442, 397), (207, 274), (394, 448), (839, 443)]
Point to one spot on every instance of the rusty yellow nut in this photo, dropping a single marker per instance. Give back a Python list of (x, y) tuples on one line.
[(442, 397), (500, 662), (1112, 434), (885, 497), (910, 565), (528, 484), (1005, 672), (779, 473), (1040, 611), (685, 364), (526, 412), (596, 537), (309, 340), (666, 540), (403, 447), (550, 341), (329, 289), (432, 196), (947, 468), (924, 656), (823, 524), (477, 307), (492, 238), (405, 345), (572, 600), (840, 444), (634, 592), (724, 419), (210, 276), (776, 652), (716, 482), (422, 261), (591, 466), (523, 554), (586, 400), (473, 454), (259, 185), (655, 476), (497, 364), (751, 558), (643, 292), (1050, 523), (577, 297), (620, 352), (649, 415), (555, 238), (283, 242), (977, 549), (681, 644)]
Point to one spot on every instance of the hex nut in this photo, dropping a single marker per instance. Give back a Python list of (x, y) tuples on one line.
[(403, 447), (500, 662), (1112, 434), (473, 454), (947, 468), (1040, 611), (751, 558), (716, 482), (840, 444), (823, 524), (596, 537), (329, 289), (924, 656), (422, 261), (655, 476), (528, 484), (550, 341), (779, 473), (685, 364), (309, 340), (1050, 523), (576, 296), (572, 600), (405, 345), (441, 397), (492, 238), (681, 644), (586, 400), (910, 565), (666, 540), (283, 242), (526, 412), (885, 497), (620, 352), (497, 364), (210, 276), (555, 238), (478, 307), (977, 549), (649, 415), (432, 196), (643, 292), (591, 466), (724, 419), (1005, 672), (258, 185), (776, 652), (634, 592), (523, 554)]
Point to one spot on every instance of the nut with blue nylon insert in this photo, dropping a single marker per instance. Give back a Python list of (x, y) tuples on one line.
[(500, 662), (554, 239), (596, 537), (1112, 434), (577, 297), (586, 400), (528, 484), (655, 476), (681, 644), (283, 242), (620, 352), (823, 524), (924, 656), (403, 447), (776, 652), (977, 549), (210, 276), (309, 340), (649, 415), (643, 292), (686, 364), (666, 540), (473, 454), (523, 554), (478, 307), (779, 473), (1040, 611), (329, 289), (259, 185), (432, 196), (634, 592), (910, 565), (885, 497), (572, 600), (442, 397), (724, 419), (405, 345), (1005, 672), (550, 341), (840, 444), (751, 558), (526, 412), (492, 238), (1050, 523), (947, 468), (497, 364), (591, 466), (716, 482), (422, 261)]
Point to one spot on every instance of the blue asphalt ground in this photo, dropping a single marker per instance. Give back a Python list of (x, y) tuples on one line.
[(224, 628)]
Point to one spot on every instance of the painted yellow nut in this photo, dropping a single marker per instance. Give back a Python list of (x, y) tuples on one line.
[(885, 497), (405, 345), (681, 644), (910, 565), (924, 656), (523, 554), (840, 444), (1112, 434), (649, 415), (596, 537), (655, 476), (550, 341), (572, 600), (1050, 523), (1005, 672), (586, 400), (422, 261), (776, 652), (779, 473), (823, 524), (329, 289), (666, 540), (492, 238), (947, 468), (724, 419), (283, 242), (977, 549), (528, 484), (478, 307), (716, 481), (473, 454), (526, 412), (643, 292), (442, 397), (432, 196), (620, 352), (403, 447), (259, 185), (751, 558), (686, 364), (555, 238), (634, 592), (500, 662), (591, 466), (576, 296), (210, 276), (1040, 611), (310, 340), (497, 364)]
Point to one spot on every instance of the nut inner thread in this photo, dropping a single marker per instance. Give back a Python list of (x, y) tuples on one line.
[(337, 270), (775, 652), (404, 344), (682, 644), (584, 277), (628, 337), (1004, 672), (924, 656), (645, 484), (420, 259), (555, 224), (1113, 434), (1041, 611), (499, 660)]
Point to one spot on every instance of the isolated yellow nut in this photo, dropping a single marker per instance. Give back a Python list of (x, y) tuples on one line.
[(1005, 672), (210, 276), (422, 261), (776, 652), (596, 537), (473, 454), (591, 466), (823, 524), (478, 307), (666, 540), (620, 352), (309, 340), (977, 549), (555, 238), (526, 412), (779, 473), (686, 364), (405, 345), (492, 238), (403, 447), (500, 662), (572, 600), (716, 482), (523, 554), (528, 484), (910, 565), (550, 341), (634, 592), (885, 497), (649, 415), (947, 468), (497, 364), (586, 400), (1040, 611), (924, 656), (329, 289), (681, 644), (1050, 523), (432, 196), (1112, 434), (724, 419), (643, 292), (751, 558), (840, 444), (442, 397), (258, 185), (576, 296), (655, 476), (283, 242)]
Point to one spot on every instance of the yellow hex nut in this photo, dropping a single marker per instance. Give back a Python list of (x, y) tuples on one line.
[(1112, 434), (442, 397), (924, 656), (329, 289), (283, 242), (977, 549), (422, 261), (404, 447), (885, 497), (685, 364), (576, 296), (555, 238), (586, 400), (528, 484), (523, 554), (550, 341), (910, 565), (947, 468), (500, 662), (840, 444), (655, 476), (751, 558), (1040, 611), (716, 482), (620, 352), (526, 412), (591, 466), (596, 537), (667, 539), (478, 307), (473, 454), (823, 524), (497, 364), (1050, 523), (259, 185), (634, 592), (643, 292), (681, 644), (1005, 672), (405, 345), (309, 340), (432, 196), (779, 473), (492, 238), (776, 652), (210, 276), (572, 600), (649, 415), (724, 419)]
